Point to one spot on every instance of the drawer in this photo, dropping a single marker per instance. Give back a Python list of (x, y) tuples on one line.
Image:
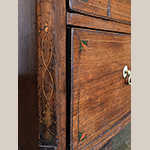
[(100, 98), (120, 10), (114, 9), (92, 7)]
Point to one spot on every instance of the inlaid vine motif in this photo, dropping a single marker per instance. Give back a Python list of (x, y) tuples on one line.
[(46, 82)]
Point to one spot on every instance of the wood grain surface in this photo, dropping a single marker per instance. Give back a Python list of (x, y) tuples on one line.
[(92, 7), (83, 21), (120, 10), (115, 10), (51, 39), (100, 98), (60, 72)]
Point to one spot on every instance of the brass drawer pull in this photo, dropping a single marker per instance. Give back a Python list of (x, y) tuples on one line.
[(127, 73)]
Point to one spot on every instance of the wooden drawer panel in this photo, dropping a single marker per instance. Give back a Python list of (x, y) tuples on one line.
[(100, 98), (92, 7), (114, 9), (96, 23), (120, 10)]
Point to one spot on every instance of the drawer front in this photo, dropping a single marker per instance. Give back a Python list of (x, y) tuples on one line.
[(100, 98), (120, 10), (92, 7), (114, 9)]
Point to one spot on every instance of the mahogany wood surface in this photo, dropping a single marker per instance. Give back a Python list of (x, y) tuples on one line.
[(92, 7), (115, 10), (51, 39), (98, 104), (100, 98), (60, 71), (120, 10), (96, 23)]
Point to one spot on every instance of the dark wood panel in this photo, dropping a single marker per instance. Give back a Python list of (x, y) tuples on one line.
[(46, 73), (96, 23), (60, 72), (100, 98), (51, 34)]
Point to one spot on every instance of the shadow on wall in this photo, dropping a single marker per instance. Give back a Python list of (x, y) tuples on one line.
[(27, 53), (27, 64)]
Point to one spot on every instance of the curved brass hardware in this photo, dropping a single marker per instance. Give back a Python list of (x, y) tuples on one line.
[(126, 73)]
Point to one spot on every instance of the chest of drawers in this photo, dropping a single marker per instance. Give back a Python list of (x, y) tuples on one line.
[(80, 99)]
